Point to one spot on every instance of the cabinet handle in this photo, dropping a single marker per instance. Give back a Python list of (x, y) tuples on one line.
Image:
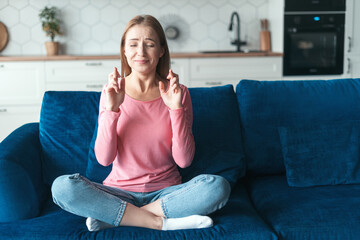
[(2, 65), (94, 85), (349, 48), (93, 64), (349, 66), (3, 110), (213, 83)]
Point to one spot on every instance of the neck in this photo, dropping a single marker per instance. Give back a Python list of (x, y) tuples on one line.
[(143, 83)]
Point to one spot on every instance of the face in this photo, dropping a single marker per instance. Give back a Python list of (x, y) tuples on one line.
[(142, 49)]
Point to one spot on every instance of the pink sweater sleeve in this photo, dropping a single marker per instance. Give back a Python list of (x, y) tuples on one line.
[(183, 144), (106, 140)]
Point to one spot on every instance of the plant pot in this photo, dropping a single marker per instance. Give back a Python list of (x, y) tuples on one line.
[(52, 48)]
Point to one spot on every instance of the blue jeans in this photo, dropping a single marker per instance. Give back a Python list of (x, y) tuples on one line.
[(201, 195)]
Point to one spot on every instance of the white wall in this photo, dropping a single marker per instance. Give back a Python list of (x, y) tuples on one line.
[(96, 26)]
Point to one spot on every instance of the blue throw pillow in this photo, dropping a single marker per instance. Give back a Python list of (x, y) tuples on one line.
[(94, 171), (216, 129), (326, 154)]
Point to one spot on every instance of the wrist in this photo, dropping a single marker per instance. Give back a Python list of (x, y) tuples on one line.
[(112, 108), (179, 106)]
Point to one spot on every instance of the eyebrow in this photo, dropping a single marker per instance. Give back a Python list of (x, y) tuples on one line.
[(136, 39)]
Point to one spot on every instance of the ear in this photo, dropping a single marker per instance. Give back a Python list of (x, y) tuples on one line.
[(162, 52)]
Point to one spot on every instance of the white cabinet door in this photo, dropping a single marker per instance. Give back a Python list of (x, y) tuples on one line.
[(12, 117), (21, 82), (79, 75), (180, 66), (220, 71)]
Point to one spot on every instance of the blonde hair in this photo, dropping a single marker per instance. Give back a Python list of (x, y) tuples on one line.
[(164, 62)]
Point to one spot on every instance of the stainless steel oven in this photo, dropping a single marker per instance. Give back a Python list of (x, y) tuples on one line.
[(314, 37)]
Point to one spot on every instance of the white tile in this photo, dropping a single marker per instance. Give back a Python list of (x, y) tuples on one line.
[(91, 47), (90, 15), (151, 10), (18, 4), (3, 3), (117, 31), (37, 34), (12, 49), (199, 3), (169, 10), (190, 13), (99, 3), (29, 16), (208, 44), (208, 14), (32, 48), (9, 16), (79, 33), (225, 13), (128, 13), (101, 32), (247, 13), (19, 34), (79, 3), (218, 31), (70, 15), (139, 3), (199, 31), (110, 15), (120, 3)]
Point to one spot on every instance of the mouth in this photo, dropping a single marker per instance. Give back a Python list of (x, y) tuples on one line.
[(141, 61)]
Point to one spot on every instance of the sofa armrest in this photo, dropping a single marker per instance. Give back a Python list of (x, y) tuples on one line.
[(21, 187)]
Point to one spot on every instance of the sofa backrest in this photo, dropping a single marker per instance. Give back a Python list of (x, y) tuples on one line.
[(266, 105), (67, 123), (216, 130)]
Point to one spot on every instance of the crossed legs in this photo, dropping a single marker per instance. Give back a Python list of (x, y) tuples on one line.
[(78, 195)]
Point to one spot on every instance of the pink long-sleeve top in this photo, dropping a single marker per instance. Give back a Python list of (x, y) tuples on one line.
[(145, 141)]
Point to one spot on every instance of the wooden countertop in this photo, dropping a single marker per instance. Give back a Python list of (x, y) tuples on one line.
[(109, 57)]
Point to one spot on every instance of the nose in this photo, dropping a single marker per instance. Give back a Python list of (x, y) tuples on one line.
[(140, 49)]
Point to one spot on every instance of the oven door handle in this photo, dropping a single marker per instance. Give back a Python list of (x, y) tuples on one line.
[(349, 46)]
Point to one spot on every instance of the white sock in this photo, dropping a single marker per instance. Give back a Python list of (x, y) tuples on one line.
[(96, 225), (190, 222)]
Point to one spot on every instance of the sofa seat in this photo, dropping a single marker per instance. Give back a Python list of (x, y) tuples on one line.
[(324, 212), (237, 220)]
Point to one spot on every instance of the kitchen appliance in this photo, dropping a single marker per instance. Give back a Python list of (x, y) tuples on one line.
[(314, 37)]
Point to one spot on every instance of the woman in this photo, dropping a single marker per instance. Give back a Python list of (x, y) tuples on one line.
[(144, 130)]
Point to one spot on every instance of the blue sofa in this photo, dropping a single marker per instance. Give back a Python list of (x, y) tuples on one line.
[(290, 149)]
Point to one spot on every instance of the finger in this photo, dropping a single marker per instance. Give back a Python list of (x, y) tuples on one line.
[(117, 72), (122, 83), (170, 75), (161, 87)]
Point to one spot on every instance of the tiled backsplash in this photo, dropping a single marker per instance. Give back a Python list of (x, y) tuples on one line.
[(96, 26)]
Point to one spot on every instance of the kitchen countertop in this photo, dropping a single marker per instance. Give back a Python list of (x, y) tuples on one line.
[(109, 57)]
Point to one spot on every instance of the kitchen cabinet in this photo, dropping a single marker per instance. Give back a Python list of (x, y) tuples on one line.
[(352, 39), (23, 82), (180, 66), (207, 72), (21, 92), (79, 75)]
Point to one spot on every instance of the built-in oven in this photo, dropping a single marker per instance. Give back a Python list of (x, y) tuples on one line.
[(314, 37)]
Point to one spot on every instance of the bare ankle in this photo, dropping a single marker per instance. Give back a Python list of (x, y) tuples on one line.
[(158, 223)]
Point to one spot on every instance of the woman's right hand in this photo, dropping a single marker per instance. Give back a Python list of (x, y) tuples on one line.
[(115, 91)]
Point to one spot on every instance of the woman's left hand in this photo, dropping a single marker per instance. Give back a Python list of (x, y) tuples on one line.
[(173, 96)]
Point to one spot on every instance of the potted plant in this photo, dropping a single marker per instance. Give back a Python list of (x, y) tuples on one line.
[(51, 25)]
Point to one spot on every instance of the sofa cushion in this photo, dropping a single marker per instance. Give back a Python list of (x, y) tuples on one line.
[(237, 220), (266, 105), (67, 123), (322, 154), (324, 212), (216, 130)]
